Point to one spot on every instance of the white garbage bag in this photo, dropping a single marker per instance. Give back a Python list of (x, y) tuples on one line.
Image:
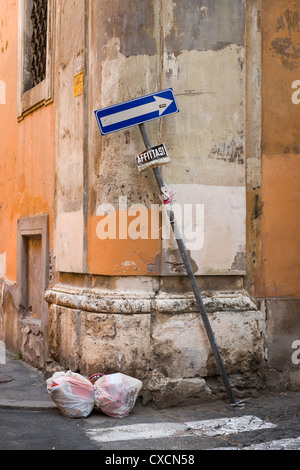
[(72, 393), (116, 394)]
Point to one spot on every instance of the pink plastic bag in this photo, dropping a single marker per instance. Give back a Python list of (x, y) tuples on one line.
[(116, 394), (72, 393)]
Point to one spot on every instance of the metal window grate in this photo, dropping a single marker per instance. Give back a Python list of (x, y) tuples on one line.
[(39, 40)]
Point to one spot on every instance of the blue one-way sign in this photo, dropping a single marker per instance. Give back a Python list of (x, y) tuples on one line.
[(131, 113)]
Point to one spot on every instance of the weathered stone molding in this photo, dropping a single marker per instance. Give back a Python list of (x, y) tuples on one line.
[(97, 301), (213, 302), (157, 337)]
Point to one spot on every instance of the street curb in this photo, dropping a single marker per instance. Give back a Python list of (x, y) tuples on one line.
[(26, 405)]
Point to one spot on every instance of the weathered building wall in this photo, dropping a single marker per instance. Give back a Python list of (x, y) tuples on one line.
[(205, 65), (280, 278), (26, 190), (207, 151), (124, 304), (70, 137)]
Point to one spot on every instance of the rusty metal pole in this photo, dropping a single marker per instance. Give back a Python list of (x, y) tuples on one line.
[(191, 276)]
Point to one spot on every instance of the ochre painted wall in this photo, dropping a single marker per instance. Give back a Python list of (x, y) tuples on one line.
[(112, 254), (281, 225), (280, 149), (26, 151)]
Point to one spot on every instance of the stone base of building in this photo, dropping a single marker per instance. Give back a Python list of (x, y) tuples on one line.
[(157, 335), (158, 338)]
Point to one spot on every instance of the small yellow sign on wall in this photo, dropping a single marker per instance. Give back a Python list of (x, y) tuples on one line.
[(78, 84)]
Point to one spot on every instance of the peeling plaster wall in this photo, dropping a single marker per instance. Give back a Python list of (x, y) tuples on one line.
[(70, 125), (204, 63), (199, 51), (203, 25), (219, 232), (124, 58)]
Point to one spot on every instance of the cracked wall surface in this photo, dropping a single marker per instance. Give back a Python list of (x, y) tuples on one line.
[(204, 64)]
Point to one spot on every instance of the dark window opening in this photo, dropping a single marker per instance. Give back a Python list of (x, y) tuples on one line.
[(39, 41)]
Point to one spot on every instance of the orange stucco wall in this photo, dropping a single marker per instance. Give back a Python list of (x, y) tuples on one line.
[(280, 149), (27, 149), (281, 225), (123, 256)]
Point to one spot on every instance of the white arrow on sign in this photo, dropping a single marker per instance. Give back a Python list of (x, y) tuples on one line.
[(159, 104)]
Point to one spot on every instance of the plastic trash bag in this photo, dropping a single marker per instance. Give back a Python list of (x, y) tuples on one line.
[(72, 393), (116, 394), (93, 378)]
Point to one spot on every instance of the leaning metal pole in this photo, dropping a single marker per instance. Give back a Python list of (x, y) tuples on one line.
[(188, 267)]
